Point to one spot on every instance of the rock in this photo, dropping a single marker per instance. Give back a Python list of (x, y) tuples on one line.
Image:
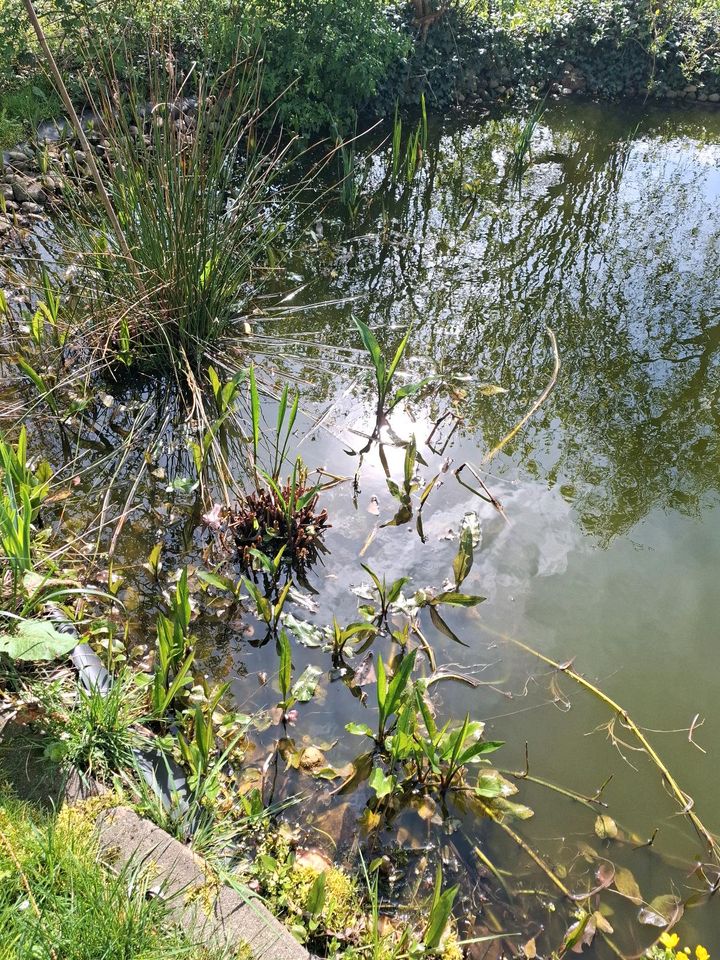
[(28, 191), (702, 97), (31, 207), (714, 98), (6, 191), (5, 225), (567, 92), (313, 860), (691, 88)]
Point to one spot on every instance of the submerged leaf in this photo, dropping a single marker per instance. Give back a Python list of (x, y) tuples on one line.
[(627, 885), (464, 558), (663, 911), (442, 626)]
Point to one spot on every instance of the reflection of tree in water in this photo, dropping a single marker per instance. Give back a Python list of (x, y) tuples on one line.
[(614, 244)]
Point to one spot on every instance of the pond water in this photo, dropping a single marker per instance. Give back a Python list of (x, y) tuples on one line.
[(609, 548)]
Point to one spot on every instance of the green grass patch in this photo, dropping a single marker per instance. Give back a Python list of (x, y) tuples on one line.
[(57, 900)]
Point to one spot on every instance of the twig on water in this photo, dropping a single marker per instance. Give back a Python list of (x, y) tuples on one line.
[(684, 799), (535, 407)]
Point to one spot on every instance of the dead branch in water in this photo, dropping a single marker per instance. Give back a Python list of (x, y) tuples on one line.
[(684, 799)]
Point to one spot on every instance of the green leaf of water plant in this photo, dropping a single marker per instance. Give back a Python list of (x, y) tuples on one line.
[(37, 640), (510, 809), (492, 784), (255, 413), (381, 783), (373, 348), (308, 634), (440, 911), (409, 390), (285, 670), (627, 885), (456, 599), (304, 687), (442, 626), (215, 580), (464, 558), (359, 729)]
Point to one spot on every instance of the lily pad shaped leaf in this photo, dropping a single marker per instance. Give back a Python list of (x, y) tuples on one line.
[(36, 640)]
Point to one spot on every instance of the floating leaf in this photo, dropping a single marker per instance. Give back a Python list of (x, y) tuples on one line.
[(510, 809), (492, 784), (214, 580), (37, 640), (304, 687), (605, 827), (359, 729), (306, 633)]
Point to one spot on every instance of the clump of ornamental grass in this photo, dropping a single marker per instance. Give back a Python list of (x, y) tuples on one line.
[(92, 732), (202, 215)]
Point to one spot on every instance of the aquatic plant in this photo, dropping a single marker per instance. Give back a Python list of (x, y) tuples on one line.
[(281, 516), (406, 163), (384, 376), (175, 652), (522, 145)]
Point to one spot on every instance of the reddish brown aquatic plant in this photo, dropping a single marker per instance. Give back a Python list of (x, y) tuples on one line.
[(274, 517)]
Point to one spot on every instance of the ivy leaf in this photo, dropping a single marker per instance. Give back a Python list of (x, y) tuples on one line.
[(37, 640)]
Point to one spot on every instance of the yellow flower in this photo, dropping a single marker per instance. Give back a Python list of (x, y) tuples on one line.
[(701, 953), (669, 940)]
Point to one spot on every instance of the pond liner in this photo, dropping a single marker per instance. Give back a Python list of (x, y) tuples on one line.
[(162, 774)]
